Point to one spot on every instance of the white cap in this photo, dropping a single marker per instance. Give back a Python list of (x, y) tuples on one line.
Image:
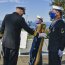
[(57, 7), (38, 16)]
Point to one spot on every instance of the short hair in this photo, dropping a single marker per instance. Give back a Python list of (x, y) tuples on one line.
[(22, 8), (59, 12)]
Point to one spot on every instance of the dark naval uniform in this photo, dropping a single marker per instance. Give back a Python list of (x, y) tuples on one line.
[(11, 28), (56, 41)]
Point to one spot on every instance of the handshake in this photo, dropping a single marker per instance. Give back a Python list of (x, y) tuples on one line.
[(42, 35)]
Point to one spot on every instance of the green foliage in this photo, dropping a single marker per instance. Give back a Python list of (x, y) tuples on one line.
[(59, 2)]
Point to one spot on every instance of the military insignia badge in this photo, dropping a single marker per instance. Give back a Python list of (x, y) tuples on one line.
[(62, 30)]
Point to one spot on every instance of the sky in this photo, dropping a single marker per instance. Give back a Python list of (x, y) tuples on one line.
[(33, 8)]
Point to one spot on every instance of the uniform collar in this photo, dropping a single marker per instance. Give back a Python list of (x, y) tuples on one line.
[(54, 21), (16, 13), (58, 19)]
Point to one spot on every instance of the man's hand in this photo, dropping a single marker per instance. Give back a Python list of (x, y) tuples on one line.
[(42, 35), (60, 53)]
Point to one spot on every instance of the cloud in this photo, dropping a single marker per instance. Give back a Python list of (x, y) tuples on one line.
[(4, 1)]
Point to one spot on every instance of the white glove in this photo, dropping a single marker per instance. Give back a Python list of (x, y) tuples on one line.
[(42, 35), (60, 53)]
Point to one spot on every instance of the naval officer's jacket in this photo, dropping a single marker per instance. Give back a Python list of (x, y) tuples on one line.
[(11, 29), (57, 36)]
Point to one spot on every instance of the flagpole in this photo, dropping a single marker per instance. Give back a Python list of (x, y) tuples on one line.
[(41, 28)]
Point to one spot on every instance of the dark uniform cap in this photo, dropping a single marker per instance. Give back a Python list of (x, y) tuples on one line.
[(22, 8)]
